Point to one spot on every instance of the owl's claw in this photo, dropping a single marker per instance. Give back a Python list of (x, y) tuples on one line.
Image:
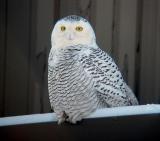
[(60, 121), (62, 117), (74, 119)]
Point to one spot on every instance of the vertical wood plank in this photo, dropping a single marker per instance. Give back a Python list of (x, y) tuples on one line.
[(157, 56), (56, 10), (138, 47), (16, 86), (3, 29), (104, 23), (150, 65), (33, 89), (87, 9), (84, 8), (69, 7), (126, 40), (45, 21)]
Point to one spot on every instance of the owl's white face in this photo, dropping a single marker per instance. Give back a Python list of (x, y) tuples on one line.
[(72, 32)]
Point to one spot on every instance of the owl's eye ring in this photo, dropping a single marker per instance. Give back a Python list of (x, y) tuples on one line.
[(63, 28), (79, 28)]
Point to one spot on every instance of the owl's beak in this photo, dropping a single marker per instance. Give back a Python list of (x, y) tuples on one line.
[(70, 36)]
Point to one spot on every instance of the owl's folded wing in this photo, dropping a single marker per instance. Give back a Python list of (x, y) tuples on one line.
[(109, 83)]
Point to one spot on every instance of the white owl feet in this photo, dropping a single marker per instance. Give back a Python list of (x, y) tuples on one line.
[(62, 117), (74, 118)]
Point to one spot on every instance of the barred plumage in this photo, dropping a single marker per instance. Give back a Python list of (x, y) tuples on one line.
[(72, 90), (82, 77)]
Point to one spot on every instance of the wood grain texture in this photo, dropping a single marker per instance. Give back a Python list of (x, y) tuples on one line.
[(149, 83), (127, 39), (157, 58), (69, 7), (34, 91), (42, 17), (104, 23), (3, 29), (17, 56)]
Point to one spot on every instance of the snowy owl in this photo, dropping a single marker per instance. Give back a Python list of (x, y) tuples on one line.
[(82, 77)]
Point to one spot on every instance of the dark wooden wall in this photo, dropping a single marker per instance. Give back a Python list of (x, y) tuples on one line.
[(128, 30)]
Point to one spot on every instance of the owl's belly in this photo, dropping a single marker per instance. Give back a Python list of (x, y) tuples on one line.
[(73, 92)]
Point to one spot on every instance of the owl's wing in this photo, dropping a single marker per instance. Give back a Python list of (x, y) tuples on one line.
[(109, 83), (52, 59)]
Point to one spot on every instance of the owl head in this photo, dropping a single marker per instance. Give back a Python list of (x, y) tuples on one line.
[(72, 30)]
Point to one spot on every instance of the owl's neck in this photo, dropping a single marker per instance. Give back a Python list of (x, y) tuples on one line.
[(69, 52), (72, 50)]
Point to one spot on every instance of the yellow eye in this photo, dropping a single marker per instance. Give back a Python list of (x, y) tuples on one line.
[(79, 28), (63, 28)]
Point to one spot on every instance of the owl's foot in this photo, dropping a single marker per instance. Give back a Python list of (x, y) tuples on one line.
[(62, 117), (61, 120), (74, 118)]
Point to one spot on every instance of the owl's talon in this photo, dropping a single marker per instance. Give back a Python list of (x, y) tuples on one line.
[(60, 121), (62, 117)]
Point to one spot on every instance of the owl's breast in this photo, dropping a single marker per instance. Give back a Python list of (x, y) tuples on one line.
[(71, 87)]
